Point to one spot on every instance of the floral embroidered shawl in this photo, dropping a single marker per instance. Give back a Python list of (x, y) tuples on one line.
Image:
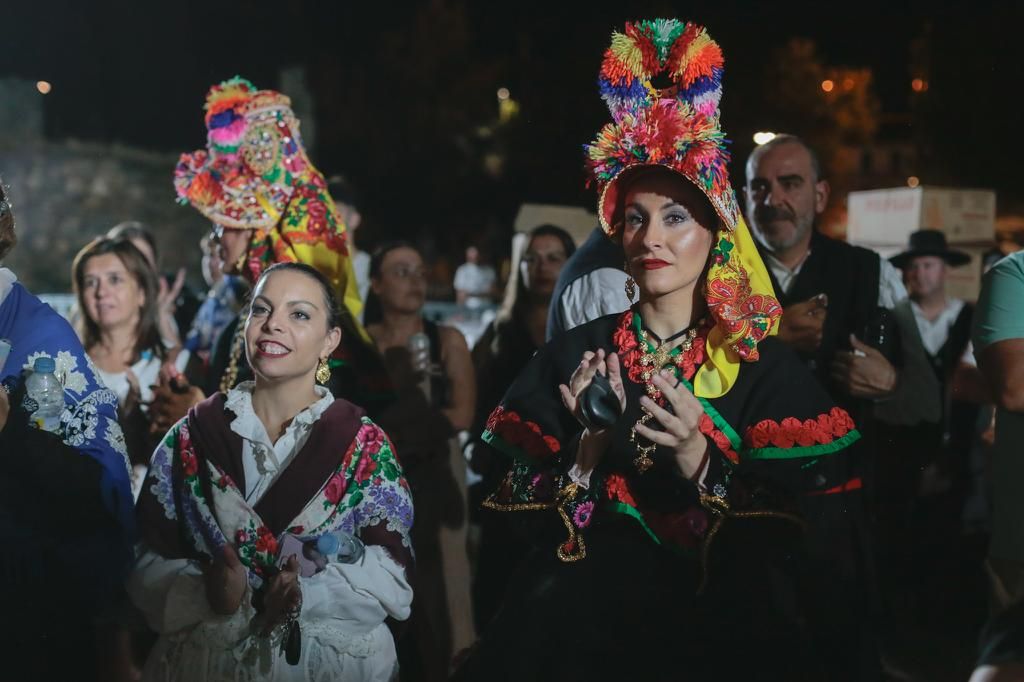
[(345, 477)]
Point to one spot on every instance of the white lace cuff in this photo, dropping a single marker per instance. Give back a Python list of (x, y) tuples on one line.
[(577, 476)]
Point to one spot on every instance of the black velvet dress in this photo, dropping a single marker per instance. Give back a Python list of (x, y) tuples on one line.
[(644, 574)]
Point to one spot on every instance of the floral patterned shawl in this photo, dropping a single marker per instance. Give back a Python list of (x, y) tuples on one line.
[(89, 422), (346, 477)]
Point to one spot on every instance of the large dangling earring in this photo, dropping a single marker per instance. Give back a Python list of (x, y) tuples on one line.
[(240, 263), (323, 372), (630, 283)]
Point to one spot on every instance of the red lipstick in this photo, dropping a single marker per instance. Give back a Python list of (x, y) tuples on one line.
[(653, 263)]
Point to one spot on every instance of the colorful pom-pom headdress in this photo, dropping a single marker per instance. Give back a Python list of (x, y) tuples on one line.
[(255, 175), (677, 127)]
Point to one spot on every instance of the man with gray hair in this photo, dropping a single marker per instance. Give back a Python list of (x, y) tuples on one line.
[(843, 315)]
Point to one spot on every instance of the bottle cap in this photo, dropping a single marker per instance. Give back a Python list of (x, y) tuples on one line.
[(44, 365), (327, 544)]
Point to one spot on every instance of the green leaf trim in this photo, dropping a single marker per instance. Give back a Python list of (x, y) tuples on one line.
[(808, 451), (499, 443), (623, 508), (634, 513), (723, 426)]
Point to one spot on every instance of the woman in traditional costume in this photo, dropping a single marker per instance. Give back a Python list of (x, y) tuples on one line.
[(269, 204), (673, 463), (244, 493), (65, 500)]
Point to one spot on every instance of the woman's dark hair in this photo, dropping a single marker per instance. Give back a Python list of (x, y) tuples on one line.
[(7, 236), (372, 310), (516, 299), (133, 229), (332, 306), (147, 333)]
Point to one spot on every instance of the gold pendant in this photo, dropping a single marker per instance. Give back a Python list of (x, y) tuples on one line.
[(643, 462)]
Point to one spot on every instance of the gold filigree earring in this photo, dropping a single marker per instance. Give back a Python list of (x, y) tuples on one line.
[(323, 372), (630, 283)]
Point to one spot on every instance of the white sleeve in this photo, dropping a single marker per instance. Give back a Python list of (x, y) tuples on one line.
[(598, 293), (365, 592), (890, 285), (968, 357), (461, 274), (170, 592)]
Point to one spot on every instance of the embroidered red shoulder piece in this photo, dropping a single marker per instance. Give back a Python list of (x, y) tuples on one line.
[(523, 434), (792, 432)]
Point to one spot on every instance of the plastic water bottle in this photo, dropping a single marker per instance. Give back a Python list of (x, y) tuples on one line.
[(43, 387), (340, 547)]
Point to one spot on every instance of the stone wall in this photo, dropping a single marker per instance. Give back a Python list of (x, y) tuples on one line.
[(66, 193)]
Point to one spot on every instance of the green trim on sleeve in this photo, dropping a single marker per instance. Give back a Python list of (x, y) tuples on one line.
[(808, 451), (723, 426), (623, 508), (499, 443)]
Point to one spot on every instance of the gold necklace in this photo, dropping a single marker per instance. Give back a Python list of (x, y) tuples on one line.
[(654, 360)]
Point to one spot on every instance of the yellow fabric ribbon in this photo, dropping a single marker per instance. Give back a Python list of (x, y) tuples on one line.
[(742, 303)]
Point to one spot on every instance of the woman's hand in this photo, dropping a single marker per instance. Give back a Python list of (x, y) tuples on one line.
[(283, 596), (133, 400), (592, 444), (167, 305), (173, 397), (226, 580), (681, 432)]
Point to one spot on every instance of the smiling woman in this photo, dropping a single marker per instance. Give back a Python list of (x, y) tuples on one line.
[(274, 464)]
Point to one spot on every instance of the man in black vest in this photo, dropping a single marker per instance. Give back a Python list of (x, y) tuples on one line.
[(834, 296), (831, 291), (591, 284)]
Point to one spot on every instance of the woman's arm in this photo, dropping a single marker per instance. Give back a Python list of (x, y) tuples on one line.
[(458, 368)]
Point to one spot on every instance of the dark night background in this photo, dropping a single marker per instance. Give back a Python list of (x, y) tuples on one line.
[(404, 95)]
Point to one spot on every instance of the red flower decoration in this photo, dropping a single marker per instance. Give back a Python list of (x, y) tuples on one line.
[(624, 337), (373, 439), (526, 435), (842, 423), (335, 488), (365, 468), (617, 489), (189, 463), (822, 430), (265, 541)]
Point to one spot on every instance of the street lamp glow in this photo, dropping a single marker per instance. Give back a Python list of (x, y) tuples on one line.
[(827, 85), (43, 87), (503, 94), (763, 138), (913, 181)]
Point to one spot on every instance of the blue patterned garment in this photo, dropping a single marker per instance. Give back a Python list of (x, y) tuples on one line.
[(221, 306), (89, 422)]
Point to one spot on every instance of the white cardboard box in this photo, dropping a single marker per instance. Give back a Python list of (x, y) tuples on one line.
[(886, 217)]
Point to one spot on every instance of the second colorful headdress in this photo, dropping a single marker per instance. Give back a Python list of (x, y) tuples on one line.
[(677, 127), (255, 175)]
